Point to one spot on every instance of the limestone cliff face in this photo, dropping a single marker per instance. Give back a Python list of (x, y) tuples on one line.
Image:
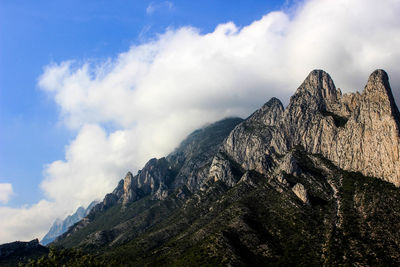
[(152, 179), (252, 142), (368, 142), (357, 132)]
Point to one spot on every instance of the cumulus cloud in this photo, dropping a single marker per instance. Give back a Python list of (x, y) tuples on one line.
[(28, 222), (91, 159), (143, 102), (6, 192), (161, 5)]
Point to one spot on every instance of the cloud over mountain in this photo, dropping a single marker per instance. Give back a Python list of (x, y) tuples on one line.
[(141, 103)]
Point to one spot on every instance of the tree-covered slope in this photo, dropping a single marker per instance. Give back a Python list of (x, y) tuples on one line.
[(261, 221)]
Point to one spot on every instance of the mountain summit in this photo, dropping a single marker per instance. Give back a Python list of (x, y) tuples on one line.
[(313, 184), (356, 132)]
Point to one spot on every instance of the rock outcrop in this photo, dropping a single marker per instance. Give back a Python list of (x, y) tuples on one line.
[(186, 166), (300, 192), (358, 132)]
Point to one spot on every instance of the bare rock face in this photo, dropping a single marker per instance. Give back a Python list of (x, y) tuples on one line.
[(128, 194), (150, 180), (300, 192), (252, 142), (372, 135), (187, 166), (357, 132)]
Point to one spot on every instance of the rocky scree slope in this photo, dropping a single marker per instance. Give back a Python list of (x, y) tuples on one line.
[(285, 186)]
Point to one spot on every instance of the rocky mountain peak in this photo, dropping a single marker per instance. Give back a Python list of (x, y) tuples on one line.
[(378, 95), (320, 85), (357, 132), (317, 93), (274, 102), (378, 81), (269, 113)]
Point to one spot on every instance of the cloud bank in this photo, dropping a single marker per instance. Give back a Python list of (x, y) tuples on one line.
[(143, 102)]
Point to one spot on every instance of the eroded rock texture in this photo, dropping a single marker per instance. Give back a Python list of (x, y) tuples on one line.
[(357, 132)]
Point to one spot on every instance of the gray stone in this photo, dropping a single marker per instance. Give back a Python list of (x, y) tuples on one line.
[(357, 132)]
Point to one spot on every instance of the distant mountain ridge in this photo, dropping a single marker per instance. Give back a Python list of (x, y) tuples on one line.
[(315, 183), (13, 253), (61, 226)]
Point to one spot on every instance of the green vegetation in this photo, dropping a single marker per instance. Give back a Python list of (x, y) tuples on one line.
[(65, 257), (255, 223), (107, 220)]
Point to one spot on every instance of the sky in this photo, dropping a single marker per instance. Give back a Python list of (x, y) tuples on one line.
[(92, 89)]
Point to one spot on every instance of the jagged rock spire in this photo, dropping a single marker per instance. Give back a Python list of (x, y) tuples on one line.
[(128, 193), (378, 92), (319, 84), (378, 81), (356, 132)]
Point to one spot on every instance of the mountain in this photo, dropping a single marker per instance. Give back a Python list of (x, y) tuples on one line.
[(182, 172), (61, 226), (13, 253), (315, 183)]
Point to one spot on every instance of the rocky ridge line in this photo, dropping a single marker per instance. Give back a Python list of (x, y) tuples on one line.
[(357, 132)]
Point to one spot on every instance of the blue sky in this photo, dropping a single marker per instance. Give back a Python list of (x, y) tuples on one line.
[(92, 89), (36, 33)]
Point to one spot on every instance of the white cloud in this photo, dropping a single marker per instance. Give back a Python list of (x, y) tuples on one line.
[(6, 191), (159, 91), (28, 222), (152, 7), (91, 159)]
